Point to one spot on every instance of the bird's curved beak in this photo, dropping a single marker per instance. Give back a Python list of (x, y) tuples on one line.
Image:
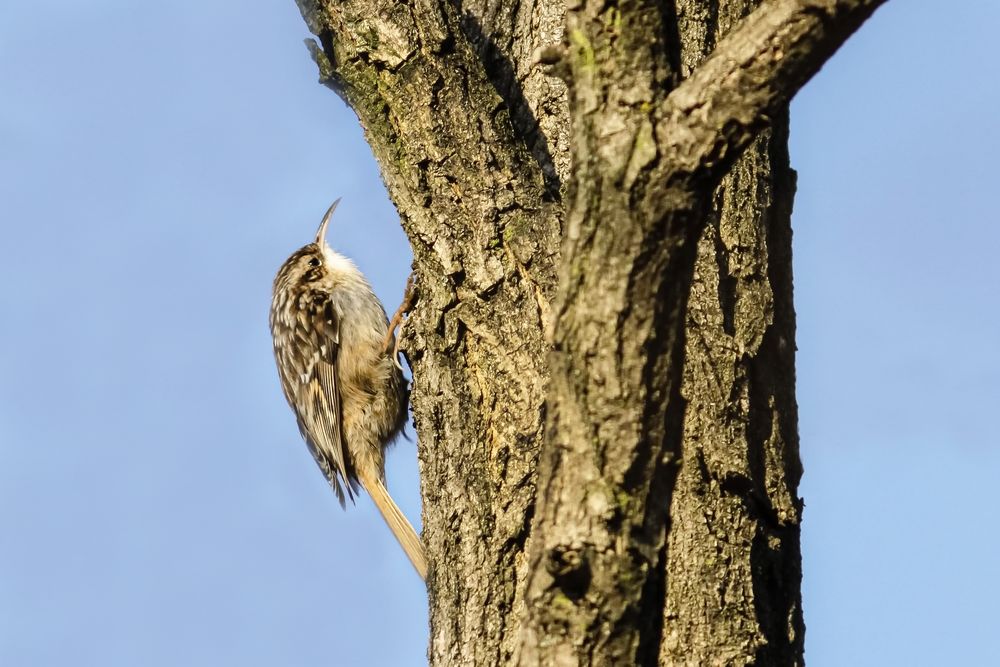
[(321, 232)]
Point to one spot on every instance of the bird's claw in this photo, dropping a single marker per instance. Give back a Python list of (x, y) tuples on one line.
[(398, 321)]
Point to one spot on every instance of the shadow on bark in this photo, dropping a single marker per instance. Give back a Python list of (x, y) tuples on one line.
[(501, 73)]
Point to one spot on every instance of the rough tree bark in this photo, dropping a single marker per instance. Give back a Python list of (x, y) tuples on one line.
[(568, 177), (733, 570)]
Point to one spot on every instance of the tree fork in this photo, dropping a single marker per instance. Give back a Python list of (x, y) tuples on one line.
[(638, 207), (473, 141)]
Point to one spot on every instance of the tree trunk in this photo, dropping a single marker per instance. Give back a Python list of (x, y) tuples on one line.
[(563, 201), (733, 567)]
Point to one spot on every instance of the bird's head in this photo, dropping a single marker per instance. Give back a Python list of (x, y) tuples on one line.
[(315, 263)]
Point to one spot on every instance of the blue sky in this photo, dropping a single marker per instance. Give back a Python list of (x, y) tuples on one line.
[(159, 160)]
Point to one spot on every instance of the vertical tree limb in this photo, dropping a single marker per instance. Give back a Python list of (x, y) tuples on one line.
[(734, 565)]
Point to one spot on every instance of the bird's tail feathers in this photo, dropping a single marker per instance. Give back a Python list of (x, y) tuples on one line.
[(398, 524)]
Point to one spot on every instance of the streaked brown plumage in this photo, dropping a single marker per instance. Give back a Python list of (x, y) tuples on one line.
[(347, 392)]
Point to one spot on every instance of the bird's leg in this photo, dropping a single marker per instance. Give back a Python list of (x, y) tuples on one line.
[(391, 343)]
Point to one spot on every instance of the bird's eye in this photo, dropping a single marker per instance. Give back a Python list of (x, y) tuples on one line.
[(314, 262)]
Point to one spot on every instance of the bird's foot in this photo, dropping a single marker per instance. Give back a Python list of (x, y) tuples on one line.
[(391, 344)]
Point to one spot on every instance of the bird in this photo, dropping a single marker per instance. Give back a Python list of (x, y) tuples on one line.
[(336, 358)]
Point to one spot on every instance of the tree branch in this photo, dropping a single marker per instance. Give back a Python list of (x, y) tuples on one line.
[(757, 69)]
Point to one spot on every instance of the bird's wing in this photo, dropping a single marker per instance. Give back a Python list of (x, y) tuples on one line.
[(318, 331)]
